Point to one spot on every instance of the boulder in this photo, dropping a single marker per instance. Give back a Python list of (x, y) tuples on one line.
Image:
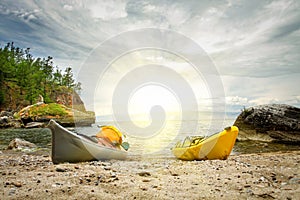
[(20, 144), (270, 123), (7, 120), (64, 115), (6, 114), (35, 125)]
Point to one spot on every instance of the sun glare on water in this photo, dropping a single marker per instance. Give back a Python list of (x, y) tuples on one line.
[(162, 107)]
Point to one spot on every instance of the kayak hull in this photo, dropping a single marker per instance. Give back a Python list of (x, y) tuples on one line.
[(71, 147), (217, 146)]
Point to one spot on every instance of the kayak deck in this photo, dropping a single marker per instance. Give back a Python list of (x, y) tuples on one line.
[(217, 146)]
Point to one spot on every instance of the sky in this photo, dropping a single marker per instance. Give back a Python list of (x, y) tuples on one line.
[(253, 48)]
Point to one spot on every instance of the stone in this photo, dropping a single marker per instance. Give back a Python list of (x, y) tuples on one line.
[(4, 120), (17, 184), (35, 125), (294, 180), (144, 173), (58, 169), (12, 191), (7, 120), (20, 144), (270, 123), (6, 113)]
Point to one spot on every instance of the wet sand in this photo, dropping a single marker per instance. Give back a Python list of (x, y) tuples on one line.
[(248, 176)]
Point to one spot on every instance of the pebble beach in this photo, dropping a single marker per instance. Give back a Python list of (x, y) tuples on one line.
[(246, 176)]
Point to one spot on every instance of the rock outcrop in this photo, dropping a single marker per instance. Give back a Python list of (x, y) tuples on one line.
[(7, 120), (68, 98), (21, 145), (77, 113), (65, 116), (271, 123)]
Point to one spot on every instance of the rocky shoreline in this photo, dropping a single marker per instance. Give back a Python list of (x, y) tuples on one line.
[(38, 115), (276, 175), (249, 176)]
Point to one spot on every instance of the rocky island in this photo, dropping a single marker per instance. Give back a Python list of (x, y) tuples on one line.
[(33, 90), (69, 110)]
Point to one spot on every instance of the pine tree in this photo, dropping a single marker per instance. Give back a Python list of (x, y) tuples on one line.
[(30, 77), (67, 78)]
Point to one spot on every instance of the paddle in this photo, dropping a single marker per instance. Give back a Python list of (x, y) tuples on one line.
[(125, 146)]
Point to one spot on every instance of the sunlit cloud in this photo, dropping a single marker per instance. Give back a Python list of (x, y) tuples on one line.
[(236, 100), (255, 45)]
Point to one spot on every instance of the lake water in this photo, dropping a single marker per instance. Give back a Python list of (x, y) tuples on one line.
[(142, 145)]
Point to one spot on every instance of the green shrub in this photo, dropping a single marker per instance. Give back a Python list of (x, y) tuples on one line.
[(246, 112)]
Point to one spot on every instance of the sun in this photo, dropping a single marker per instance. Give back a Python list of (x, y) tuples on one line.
[(147, 96)]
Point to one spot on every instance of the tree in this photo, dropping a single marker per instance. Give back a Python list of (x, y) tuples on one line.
[(67, 78), (6, 68), (47, 69), (77, 87), (28, 77), (57, 77)]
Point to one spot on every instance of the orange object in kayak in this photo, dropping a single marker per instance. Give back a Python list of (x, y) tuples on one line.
[(72, 147), (111, 134)]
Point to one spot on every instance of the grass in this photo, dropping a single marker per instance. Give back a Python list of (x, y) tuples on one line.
[(51, 109)]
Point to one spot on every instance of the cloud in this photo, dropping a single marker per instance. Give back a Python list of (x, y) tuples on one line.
[(265, 100), (68, 7), (242, 39), (107, 10), (255, 45), (278, 89), (48, 29), (236, 100)]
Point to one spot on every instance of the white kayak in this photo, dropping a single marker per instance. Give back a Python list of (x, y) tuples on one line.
[(71, 147)]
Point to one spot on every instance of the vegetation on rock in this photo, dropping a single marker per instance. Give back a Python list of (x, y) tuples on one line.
[(36, 91), (64, 115), (24, 78), (40, 110)]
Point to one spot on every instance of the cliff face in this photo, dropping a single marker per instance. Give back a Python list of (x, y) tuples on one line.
[(68, 98), (15, 100), (274, 123)]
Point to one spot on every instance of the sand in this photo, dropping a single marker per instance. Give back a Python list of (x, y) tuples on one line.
[(248, 176)]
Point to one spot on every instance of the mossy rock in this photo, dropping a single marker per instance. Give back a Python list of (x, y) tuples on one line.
[(42, 112), (42, 109)]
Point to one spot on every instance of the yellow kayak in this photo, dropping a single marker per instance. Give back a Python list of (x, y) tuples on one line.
[(217, 146)]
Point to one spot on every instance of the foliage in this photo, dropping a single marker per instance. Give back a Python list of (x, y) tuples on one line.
[(32, 76), (246, 112)]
